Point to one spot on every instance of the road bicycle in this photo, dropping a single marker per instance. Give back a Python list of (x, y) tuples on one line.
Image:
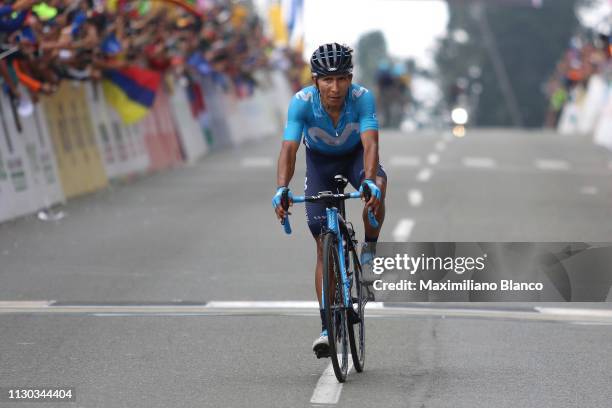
[(343, 294)]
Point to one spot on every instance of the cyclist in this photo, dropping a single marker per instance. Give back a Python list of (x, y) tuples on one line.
[(337, 120)]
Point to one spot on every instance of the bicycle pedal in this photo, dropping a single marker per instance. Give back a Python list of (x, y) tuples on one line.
[(353, 317), (322, 352)]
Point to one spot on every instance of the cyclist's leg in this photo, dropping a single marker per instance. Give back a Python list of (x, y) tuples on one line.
[(320, 172), (356, 177)]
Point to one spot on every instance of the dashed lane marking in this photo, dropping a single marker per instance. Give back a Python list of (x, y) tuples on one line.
[(415, 197), (479, 162), (550, 164), (433, 158), (402, 231), (257, 162), (589, 190), (424, 175), (328, 388), (405, 161)]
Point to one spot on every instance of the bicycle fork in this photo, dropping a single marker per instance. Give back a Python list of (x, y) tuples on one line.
[(332, 225)]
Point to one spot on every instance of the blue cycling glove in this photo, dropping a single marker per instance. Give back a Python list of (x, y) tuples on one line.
[(373, 188), (276, 200)]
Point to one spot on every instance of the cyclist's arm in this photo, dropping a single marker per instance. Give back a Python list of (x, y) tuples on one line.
[(286, 162), (368, 126), (369, 139), (291, 142)]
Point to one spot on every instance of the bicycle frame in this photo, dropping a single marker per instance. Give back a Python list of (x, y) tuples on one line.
[(345, 242), (336, 223)]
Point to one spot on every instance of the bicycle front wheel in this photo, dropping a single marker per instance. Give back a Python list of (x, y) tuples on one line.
[(357, 330), (335, 312)]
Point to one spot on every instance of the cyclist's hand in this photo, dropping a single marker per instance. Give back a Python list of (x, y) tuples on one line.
[(374, 202), (281, 213)]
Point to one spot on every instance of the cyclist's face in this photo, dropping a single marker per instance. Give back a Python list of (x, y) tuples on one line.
[(333, 89)]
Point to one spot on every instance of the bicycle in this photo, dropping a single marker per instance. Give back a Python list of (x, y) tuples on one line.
[(344, 275)]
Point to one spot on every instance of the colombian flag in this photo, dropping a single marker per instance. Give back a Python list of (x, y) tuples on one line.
[(131, 91)]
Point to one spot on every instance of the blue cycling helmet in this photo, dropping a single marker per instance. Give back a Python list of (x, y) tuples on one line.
[(331, 59)]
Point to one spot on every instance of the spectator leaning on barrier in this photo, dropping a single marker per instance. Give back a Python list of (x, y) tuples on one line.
[(587, 55), (44, 43)]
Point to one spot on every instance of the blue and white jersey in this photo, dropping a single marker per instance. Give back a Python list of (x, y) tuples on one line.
[(307, 117)]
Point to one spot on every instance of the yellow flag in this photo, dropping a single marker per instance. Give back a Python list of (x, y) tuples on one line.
[(279, 29)]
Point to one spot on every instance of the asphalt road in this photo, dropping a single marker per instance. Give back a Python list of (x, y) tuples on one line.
[(128, 298)]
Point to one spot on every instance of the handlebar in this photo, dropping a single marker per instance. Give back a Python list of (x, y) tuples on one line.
[(367, 194), (285, 204), (325, 197)]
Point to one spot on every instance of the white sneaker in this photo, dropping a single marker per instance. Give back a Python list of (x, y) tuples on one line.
[(321, 345)]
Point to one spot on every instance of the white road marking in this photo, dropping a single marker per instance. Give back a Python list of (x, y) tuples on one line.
[(479, 162), (307, 308), (433, 158), (328, 388), (257, 162), (415, 197), (24, 304), (561, 311), (402, 231), (424, 175), (405, 161), (548, 164), (589, 190), (440, 145), (262, 305)]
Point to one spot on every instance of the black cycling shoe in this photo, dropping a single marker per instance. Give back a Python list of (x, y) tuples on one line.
[(351, 314)]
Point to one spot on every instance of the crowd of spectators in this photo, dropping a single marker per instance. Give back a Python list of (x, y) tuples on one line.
[(43, 43), (587, 55)]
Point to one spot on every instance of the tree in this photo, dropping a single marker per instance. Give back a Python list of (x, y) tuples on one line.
[(525, 42)]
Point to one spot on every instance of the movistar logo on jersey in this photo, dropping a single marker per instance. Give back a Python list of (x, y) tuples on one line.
[(358, 92), (320, 135), (305, 96)]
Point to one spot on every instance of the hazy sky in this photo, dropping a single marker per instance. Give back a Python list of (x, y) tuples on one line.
[(410, 27)]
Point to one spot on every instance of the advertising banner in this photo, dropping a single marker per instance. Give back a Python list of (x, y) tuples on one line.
[(191, 133), (102, 129), (594, 101), (40, 156), (603, 131), (79, 163), (136, 147), (122, 146), (568, 121), (17, 190), (257, 116), (160, 135), (216, 119)]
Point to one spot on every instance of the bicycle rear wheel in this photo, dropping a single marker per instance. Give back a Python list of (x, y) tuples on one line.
[(335, 312), (358, 300)]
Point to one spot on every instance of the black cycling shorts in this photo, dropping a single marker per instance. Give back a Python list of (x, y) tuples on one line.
[(320, 171)]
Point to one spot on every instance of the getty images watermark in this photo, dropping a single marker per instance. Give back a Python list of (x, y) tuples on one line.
[(490, 272), (457, 265)]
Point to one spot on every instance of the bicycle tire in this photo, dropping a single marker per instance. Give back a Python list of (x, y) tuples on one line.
[(357, 344), (335, 312)]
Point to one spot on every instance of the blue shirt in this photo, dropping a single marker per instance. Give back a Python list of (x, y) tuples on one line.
[(307, 117)]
